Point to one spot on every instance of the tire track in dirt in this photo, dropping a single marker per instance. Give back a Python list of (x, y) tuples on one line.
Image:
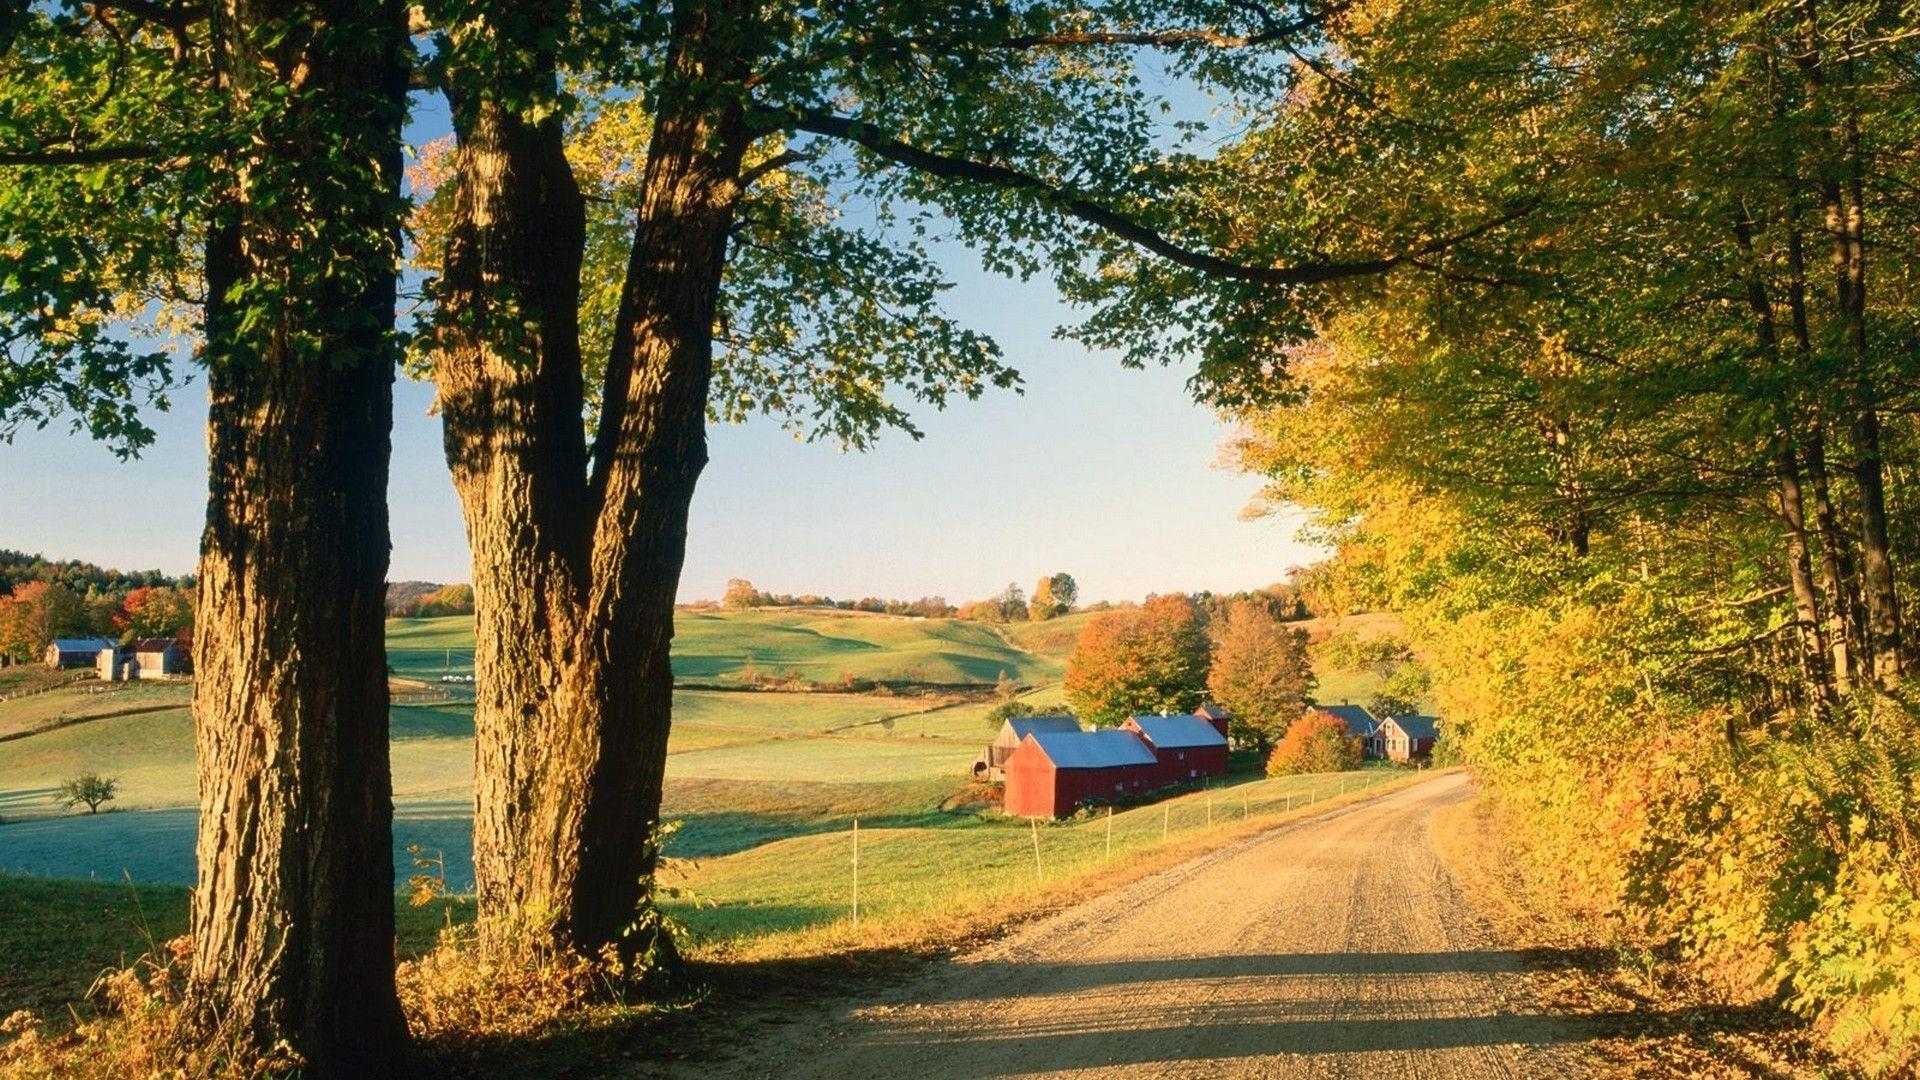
[(1335, 946)]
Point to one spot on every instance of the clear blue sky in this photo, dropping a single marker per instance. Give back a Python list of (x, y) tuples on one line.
[(1097, 470)]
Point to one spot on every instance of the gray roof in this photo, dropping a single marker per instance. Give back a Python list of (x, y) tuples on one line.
[(1417, 727), (1210, 711), (1179, 732), (1023, 726), (1360, 723), (84, 644), (1103, 749), (152, 644)]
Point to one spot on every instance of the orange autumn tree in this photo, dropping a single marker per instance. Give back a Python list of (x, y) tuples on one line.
[(1149, 659), (1316, 743)]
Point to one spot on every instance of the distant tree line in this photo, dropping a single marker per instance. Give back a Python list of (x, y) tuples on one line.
[(1307, 593), (427, 600), (84, 578), (41, 600), (741, 595)]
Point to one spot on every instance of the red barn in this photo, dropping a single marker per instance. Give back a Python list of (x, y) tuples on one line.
[(1186, 748), (1217, 715), (1051, 773)]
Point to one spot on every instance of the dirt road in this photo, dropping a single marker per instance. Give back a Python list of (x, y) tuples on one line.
[(1336, 946)]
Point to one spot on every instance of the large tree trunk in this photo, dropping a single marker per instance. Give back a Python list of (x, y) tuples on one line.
[(575, 573), (293, 914)]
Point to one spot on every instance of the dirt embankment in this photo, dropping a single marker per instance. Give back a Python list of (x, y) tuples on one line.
[(1335, 946)]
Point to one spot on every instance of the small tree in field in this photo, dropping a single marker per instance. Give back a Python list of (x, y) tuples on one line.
[(89, 789), (1007, 710), (1315, 743)]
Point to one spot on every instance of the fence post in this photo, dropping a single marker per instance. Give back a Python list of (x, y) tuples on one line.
[(1035, 822), (1209, 808), (1343, 783), (856, 871), (1165, 809), (1109, 830), (1246, 803)]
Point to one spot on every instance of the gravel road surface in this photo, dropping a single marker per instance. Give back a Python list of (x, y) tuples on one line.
[(1335, 946)]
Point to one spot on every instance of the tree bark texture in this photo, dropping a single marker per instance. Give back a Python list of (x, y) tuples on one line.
[(293, 913), (1841, 187), (577, 555)]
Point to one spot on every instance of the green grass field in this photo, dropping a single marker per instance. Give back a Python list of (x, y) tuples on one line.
[(764, 786), (818, 645), (751, 892), (942, 867)]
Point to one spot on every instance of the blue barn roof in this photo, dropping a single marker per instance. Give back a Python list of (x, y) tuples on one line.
[(1106, 749), (1179, 732)]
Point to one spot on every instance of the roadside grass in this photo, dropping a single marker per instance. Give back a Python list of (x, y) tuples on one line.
[(58, 936), (919, 884), (1654, 1020), (928, 879)]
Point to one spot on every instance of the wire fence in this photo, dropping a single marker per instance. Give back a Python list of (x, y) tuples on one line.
[(915, 871)]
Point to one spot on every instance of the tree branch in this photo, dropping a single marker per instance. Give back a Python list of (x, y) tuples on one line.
[(773, 164), (1270, 33), (85, 155), (175, 17), (1114, 222)]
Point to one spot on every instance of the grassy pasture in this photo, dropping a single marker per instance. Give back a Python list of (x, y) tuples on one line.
[(923, 873), (794, 895), (58, 936), (820, 645), (88, 698), (825, 646)]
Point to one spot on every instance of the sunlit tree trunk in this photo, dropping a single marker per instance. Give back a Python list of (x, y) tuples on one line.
[(577, 559), (293, 913)]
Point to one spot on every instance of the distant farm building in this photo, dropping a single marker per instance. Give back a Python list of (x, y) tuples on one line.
[(1051, 773), (1217, 715), (141, 658), (1361, 726), (992, 763), (77, 652), (1408, 738), (1185, 748)]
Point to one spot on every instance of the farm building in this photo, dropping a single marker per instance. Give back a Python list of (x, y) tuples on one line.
[(1186, 748), (1053, 772), (144, 658), (76, 652), (1217, 715), (1408, 738), (991, 764), (1360, 724)]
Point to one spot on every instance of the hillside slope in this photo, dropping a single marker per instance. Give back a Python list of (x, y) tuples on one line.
[(818, 645)]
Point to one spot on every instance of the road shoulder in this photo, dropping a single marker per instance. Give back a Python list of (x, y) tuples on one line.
[(1648, 1019)]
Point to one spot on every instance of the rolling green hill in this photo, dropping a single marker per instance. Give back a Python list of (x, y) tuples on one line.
[(818, 645)]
